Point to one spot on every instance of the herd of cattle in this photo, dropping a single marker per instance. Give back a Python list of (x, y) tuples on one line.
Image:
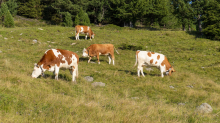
[(54, 59)]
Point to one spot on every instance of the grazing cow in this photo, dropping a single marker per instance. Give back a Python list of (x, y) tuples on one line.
[(84, 30), (95, 50), (54, 59), (153, 59)]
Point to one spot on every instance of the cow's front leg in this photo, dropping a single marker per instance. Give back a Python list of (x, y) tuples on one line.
[(56, 71), (98, 57), (74, 70), (109, 58), (162, 70), (89, 59), (86, 37)]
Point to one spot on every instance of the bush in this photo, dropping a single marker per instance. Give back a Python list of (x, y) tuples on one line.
[(9, 20), (12, 7), (68, 20)]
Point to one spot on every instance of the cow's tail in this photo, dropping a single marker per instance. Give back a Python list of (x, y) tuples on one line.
[(136, 58), (116, 50)]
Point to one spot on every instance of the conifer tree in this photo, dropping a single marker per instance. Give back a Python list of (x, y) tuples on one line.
[(68, 20), (76, 22), (4, 10), (83, 18), (211, 19), (9, 20), (12, 7)]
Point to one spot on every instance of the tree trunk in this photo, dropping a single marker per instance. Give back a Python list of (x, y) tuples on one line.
[(199, 23)]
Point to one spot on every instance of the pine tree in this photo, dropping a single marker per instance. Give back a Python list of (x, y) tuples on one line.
[(31, 8), (211, 19), (4, 9), (76, 22), (68, 20), (83, 18), (9, 20), (12, 7)]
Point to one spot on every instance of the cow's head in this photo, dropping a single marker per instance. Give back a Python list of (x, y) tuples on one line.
[(93, 35), (85, 53), (170, 71), (37, 71)]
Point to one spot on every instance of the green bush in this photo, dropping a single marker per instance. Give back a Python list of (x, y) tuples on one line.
[(9, 20), (68, 20)]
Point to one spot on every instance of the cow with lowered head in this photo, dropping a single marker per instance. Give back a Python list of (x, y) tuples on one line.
[(79, 29), (54, 59), (95, 50), (153, 59)]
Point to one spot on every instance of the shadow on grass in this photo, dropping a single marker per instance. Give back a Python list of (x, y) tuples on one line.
[(80, 37), (135, 73), (93, 60), (60, 76), (197, 34)]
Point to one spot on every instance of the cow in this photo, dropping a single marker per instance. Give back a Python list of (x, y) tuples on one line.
[(95, 50), (83, 30), (54, 59), (153, 59)]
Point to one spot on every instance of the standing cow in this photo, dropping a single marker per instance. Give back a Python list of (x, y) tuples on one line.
[(83, 30), (95, 50), (152, 59), (54, 59)]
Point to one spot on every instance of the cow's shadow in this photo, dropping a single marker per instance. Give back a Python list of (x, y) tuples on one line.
[(135, 73), (61, 76), (93, 60), (80, 37)]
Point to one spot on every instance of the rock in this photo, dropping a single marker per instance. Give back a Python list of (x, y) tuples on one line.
[(88, 78), (21, 33), (5, 38), (95, 84), (40, 28), (35, 40), (135, 98), (0, 51), (171, 86), (73, 43), (204, 108), (181, 104), (190, 86)]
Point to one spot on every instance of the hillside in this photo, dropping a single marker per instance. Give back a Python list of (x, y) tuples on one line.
[(125, 97)]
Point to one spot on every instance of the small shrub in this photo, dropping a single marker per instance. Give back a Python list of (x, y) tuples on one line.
[(9, 20), (68, 20)]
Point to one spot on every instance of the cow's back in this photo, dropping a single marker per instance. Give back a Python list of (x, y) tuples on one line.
[(100, 47)]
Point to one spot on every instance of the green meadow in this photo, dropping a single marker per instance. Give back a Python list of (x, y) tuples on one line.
[(125, 98)]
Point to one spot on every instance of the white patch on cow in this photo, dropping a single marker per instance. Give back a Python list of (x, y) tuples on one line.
[(88, 28), (85, 53), (37, 71), (81, 29), (56, 52)]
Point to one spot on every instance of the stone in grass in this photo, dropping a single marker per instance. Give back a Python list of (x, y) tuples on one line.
[(88, 78), (0, 51), (204, 108), (95, 84), (35, 41)]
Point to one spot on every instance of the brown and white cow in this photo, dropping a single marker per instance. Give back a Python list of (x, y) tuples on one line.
[(83, 30), (153, 59), (95, 50), (54, 59)]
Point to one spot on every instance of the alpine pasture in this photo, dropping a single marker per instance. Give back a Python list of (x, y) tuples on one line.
[(125, 96)]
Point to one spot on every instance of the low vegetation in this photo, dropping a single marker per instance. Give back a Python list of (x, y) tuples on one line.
[(125, 97)]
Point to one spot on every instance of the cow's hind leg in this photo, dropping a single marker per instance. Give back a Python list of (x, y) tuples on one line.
[(86, 37), (56, 71), (140, 69), (113, 58)]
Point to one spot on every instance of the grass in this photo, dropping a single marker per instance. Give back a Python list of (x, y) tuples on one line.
[(126, 97)]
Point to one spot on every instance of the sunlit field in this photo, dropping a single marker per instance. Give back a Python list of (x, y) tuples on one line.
[(125, 96)]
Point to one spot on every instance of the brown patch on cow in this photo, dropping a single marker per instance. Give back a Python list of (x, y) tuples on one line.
[(152, 53), (156, 62), (158, 57), (49, 59), (166, 63), (103, 49), (149, 54), (151, 61)]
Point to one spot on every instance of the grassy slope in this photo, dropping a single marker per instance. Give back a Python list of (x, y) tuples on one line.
[(23, 99)]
